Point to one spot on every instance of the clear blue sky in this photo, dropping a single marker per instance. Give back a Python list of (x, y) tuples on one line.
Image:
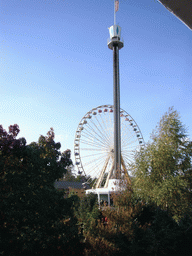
[(56, 66)]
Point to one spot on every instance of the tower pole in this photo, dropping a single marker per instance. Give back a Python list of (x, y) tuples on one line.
[(114, 14), (116, 104), (115, 44)]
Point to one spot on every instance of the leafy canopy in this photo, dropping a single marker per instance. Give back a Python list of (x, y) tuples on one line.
[(162, 170), (34, 216)]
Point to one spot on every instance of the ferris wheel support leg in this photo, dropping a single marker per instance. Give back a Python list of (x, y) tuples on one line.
[(109, 175), (125, 171), (102, 173)]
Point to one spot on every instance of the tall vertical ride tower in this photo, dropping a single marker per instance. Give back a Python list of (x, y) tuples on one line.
[(115, 44), (109, 177)]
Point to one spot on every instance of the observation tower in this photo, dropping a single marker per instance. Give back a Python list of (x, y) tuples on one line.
[(115, 44), (107, 137)]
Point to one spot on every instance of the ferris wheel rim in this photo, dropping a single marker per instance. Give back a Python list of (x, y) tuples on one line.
[(83, 121)]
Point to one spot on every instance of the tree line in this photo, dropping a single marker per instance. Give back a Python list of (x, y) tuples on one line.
[(153, 216)]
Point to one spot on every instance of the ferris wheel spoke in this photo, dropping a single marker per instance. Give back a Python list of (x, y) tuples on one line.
[(129, 147), (99, 125), (93, 161), (128, 139), (90, 136), (94, 166), (102, 131), (105, 122), (127, 132), (93, 143), (128, 136), (92, 149), (128, 154), (129, 150), (128, 161), (106, 127), (129, 143), (128, 158), (92, 146), (92, 155), (89, 129), (101, 137)]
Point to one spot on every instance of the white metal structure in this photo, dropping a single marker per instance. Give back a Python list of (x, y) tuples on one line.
[(105, 194), (94, 144)]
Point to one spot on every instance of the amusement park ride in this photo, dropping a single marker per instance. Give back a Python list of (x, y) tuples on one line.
[(107, 137)]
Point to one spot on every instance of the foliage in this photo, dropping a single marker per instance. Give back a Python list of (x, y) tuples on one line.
[(35, 217), (88, 211), (112, 236), (135, 227), (154, 232), (162, 169), (184, 236), (69, 174), (148, 218), (157, 233)]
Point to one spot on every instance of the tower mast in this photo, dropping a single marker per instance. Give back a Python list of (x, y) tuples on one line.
[(115, 44), (114, 14)]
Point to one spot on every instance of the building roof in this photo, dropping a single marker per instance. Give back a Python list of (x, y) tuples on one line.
[(180, 8), (68, 184)]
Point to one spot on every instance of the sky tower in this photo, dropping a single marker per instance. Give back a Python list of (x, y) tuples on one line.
[(109, 178), (115, 44)]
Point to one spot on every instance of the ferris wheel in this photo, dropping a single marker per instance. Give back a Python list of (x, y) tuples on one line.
[(94, 143)]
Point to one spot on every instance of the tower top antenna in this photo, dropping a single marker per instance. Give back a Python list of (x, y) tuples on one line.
[(116, 8)]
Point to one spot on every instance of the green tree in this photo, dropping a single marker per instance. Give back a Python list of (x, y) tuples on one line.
[(35, 217), (69, 174), (162, 170), (155, 232), (88, 211)]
